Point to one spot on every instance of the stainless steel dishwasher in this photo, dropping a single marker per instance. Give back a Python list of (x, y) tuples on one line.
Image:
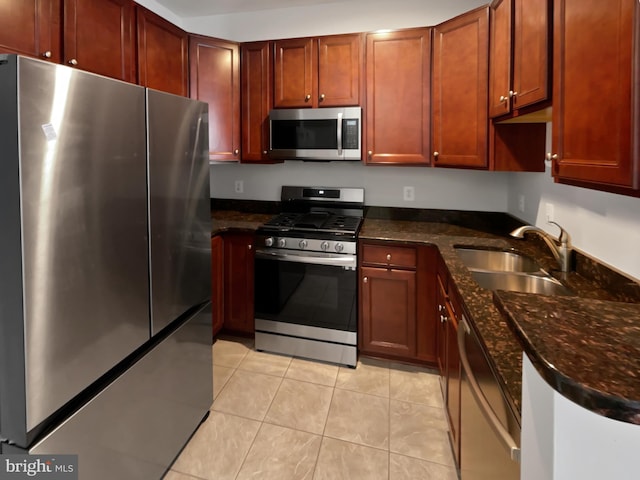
[(489, 427)]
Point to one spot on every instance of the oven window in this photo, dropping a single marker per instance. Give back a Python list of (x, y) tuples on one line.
[(304, 135), (306, 294)]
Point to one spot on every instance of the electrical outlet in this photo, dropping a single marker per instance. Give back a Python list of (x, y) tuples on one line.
[(409, 194), (239, 186), (549, 212), (521, 203)]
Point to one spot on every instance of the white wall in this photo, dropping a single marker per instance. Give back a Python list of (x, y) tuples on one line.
[(434, 187), (603, 225), (328, 19)]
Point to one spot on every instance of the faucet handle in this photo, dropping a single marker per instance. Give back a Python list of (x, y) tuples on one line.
[(564, 238)]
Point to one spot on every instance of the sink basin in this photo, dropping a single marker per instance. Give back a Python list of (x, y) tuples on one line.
[(520, 282), (496, 260)]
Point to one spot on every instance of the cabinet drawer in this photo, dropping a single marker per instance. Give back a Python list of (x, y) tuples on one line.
[(389, 255)]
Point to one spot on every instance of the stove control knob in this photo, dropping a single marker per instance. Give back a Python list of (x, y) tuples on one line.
[(339, 247), (282, 242), (303, 244), (268, 242), (324, 246)]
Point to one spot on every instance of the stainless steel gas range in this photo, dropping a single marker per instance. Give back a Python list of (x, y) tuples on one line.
[(306, 275)]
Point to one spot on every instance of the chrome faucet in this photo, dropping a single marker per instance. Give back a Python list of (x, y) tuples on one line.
[(562, 252)]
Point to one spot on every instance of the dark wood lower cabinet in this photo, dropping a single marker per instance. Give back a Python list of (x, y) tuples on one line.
[(232, 282), (397, 301), (217, 283), (449, 310)]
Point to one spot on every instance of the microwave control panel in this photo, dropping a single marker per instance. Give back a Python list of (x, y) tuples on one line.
[(350, 134)]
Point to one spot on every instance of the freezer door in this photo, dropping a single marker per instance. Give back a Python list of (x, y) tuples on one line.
[(179, 206), (74, 255)]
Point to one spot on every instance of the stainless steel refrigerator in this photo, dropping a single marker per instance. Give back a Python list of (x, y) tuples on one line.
[(105, 325)]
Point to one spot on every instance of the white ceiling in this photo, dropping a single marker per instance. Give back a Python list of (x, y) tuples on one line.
[(199, 8)]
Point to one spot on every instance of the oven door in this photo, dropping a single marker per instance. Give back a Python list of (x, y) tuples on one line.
[(306, 288)]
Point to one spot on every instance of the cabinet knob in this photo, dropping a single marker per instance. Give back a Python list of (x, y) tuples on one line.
[(307, 98), (503, 99), (322, 97), (264, 152), (236, 151), (388, 256), (512, 93), (436, 155), (249, 246), (47, 54), (73, 62), (365, 279), (552, 156)]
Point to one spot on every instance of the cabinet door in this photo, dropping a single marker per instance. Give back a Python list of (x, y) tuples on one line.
[(388, 311), (531, 52), (257, 99), (215, 79), (398, 107), (595, 91), (453, 383), (239, 288), (500, 91), (31, 27), (460, 89), (441, 295), (162, 54), (99, 37), (295, 75), (427, 320), (339, 66), (217, 283)]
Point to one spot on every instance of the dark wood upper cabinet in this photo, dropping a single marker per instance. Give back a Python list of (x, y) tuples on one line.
[(162, 54), (31, 27), (317, 72), (256, 74), (460, 91), (99, 37), (500, 88), (520, 55), (398, 74), (596, 93), (215, 79)]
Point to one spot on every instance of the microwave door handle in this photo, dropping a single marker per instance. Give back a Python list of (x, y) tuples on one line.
[(339, 132)]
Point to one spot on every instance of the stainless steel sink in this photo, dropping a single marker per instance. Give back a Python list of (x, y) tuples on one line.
[(520, 282), (509, 270), (496, 260)]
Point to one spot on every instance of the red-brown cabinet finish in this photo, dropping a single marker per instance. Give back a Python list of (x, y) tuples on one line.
[(398, 74), (99, 37), (460, 91), (520, 55), (217, 283), (317, 72), (256, 97), (162, 54), (215, 79), (239, 278), (31, 27), (397, 301), (500, 89), (596, 93)]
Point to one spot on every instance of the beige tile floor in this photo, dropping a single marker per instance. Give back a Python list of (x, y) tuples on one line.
[(282, 418)]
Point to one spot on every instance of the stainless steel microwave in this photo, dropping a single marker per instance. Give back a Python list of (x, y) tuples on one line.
[(322, 134)]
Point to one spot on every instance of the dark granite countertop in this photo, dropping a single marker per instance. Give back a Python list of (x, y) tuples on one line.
[(603, 381), (590, 352)]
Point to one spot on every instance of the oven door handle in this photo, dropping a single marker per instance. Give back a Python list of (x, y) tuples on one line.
[(331, 261)]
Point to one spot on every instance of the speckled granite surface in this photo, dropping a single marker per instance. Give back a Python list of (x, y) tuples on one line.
[(600, 372), (588, 350)]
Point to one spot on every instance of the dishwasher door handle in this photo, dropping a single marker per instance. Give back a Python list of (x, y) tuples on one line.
[(504, 435)]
